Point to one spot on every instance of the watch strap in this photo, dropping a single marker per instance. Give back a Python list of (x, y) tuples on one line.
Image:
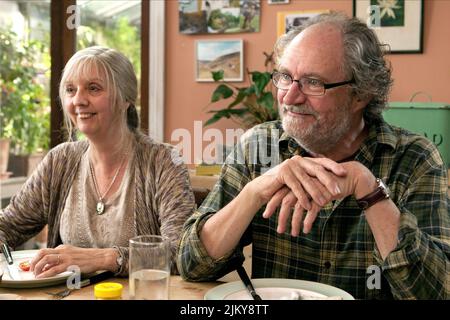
[(375, 196), (119, 260)]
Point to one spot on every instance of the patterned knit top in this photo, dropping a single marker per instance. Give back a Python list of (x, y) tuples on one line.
[(163, 197)]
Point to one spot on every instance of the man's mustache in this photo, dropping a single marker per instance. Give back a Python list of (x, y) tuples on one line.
[(303, 109)]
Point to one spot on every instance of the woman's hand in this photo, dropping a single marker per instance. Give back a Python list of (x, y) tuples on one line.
[(50, 262)]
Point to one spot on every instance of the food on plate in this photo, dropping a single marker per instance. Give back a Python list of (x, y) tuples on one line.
[(24, 266), (305, 295)]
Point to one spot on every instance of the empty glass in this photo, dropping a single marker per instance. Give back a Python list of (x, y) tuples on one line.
[(149, 269)]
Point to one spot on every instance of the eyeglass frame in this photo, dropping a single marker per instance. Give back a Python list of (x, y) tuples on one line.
[(325, 85)]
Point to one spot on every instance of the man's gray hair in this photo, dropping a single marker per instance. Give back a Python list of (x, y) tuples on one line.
[(363, 59)]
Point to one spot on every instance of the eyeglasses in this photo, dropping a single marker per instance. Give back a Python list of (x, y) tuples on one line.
[(309, 86)]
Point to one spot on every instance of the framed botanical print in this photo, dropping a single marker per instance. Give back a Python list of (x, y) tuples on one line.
[(398, 23)]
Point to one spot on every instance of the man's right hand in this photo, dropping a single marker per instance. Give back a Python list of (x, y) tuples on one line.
[(310, 180)]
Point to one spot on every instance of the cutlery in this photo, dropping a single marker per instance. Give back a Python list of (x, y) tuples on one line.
[(248, 284), (84, 283), (13, 272)]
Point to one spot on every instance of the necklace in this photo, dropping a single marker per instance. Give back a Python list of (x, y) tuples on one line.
[(100, 208)]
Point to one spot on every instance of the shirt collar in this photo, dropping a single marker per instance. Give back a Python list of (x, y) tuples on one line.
[(288, 146), (380, 136)]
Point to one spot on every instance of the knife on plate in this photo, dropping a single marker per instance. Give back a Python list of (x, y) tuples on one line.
[(13, 272), (99, 276), (248, 284), (96, 278)]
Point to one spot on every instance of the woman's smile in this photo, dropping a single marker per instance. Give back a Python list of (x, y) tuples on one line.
[(85, 115)]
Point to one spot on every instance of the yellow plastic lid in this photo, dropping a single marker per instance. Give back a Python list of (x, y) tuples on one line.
[(108, 290)]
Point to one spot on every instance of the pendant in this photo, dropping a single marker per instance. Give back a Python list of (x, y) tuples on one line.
[(100, 207)]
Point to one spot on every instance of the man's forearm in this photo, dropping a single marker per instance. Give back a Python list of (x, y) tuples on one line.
[(222, 232), (384, 221), (383, 217)]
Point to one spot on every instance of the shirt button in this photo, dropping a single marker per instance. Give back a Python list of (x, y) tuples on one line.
[(327, 265)]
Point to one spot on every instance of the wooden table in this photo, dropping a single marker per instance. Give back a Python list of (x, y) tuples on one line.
[(179, 290), (207, 182)]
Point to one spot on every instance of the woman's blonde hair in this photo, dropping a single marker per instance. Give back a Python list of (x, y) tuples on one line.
[(119, 76)]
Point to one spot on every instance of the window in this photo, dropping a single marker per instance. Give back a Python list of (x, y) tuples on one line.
[(114, 24), (25, 75)]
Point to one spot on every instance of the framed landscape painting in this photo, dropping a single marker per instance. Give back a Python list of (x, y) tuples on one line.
[(398, 23), (215, 55), (218, 16), (277, 1), (288, 20)]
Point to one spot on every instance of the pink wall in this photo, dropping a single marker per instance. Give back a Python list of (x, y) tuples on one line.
[(186, 99)]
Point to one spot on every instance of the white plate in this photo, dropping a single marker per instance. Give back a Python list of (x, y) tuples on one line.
[(276, 289), (28, 280)]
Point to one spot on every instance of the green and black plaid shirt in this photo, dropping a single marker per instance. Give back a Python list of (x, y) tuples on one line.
[(340, 250)]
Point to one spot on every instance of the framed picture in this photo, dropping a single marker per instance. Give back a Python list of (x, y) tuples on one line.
[(215, 55), (277, 1), (224, 16), (397, 23), (288, 20)]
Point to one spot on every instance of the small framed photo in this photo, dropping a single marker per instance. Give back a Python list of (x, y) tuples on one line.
[(215, 55), (277, 1), (288, 20), (398, 24)]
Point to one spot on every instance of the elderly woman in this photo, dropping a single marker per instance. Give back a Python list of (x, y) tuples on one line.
[(97, 193)]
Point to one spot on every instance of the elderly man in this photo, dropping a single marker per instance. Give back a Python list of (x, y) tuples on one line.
[(352, 202)]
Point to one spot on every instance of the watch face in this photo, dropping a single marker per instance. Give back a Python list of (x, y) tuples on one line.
[(384, 187)]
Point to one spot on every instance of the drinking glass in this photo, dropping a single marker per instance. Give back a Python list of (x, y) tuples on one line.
[(149, 269)]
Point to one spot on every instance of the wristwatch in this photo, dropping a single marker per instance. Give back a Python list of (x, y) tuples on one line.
[(380, 193), (119, 259)]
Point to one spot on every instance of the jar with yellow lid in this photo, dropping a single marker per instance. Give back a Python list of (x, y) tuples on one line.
[(108, 291)]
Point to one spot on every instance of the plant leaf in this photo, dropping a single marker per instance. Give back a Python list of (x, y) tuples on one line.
[(217, 75), (267, 101), (240, 96), (260, 79), (221, 92), (224, 113)]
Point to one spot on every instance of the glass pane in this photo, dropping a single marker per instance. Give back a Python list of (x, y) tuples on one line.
[(25, 76), (115, 24)]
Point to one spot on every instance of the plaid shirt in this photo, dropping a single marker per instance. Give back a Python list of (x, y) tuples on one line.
[(340, 250)]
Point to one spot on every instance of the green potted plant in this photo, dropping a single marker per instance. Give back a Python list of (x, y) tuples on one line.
[(25, 106), (249, 105)]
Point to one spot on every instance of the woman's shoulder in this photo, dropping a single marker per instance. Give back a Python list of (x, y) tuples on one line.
[(151, 152), (69, 150), (146, 143)]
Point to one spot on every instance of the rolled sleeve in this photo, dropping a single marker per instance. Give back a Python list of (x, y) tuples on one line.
[(194, 262)]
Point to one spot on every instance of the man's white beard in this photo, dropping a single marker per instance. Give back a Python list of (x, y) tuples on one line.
[(321, 136)]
